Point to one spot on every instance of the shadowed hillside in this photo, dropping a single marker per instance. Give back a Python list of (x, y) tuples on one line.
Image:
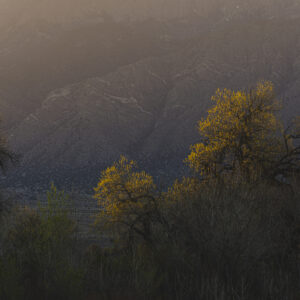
[(148, 109), (99, 88)]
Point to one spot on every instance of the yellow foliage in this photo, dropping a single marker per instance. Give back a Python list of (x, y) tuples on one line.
[(240, 133), (181, 190), (123, 194)]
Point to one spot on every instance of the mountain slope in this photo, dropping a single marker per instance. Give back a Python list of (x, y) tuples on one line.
[(148, 110), (40, 57)]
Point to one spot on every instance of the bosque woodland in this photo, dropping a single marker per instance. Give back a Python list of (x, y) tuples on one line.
[(150, 149)]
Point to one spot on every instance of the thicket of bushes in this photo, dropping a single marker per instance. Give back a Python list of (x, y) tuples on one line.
[(229, 231), (216, 243)]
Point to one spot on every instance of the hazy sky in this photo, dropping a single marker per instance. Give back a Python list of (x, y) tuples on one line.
[(18, 11)]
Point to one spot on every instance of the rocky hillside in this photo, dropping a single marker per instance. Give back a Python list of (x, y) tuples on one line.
[(74, 98), (39, 57), (148, 109)]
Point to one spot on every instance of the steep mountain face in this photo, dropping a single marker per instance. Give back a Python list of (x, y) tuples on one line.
[(78, 88), (39, 57), (99, 117), (148, 109)]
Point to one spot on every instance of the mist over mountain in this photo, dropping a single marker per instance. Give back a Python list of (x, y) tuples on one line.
[(83, 82)]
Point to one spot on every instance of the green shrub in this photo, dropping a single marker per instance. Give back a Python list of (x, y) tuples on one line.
[(39, 253)]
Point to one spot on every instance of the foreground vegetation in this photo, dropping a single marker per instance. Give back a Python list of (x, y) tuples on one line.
[(228, 231)]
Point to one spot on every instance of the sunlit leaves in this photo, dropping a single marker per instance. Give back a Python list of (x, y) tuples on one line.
[(241, 133), (125, 196)]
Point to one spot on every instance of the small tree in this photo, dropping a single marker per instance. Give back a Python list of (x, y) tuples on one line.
[(243, 136), (5, 154), (39, 251), (127, 199)]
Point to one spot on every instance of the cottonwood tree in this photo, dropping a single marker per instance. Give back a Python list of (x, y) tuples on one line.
[(127, 200), (243, 136)]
